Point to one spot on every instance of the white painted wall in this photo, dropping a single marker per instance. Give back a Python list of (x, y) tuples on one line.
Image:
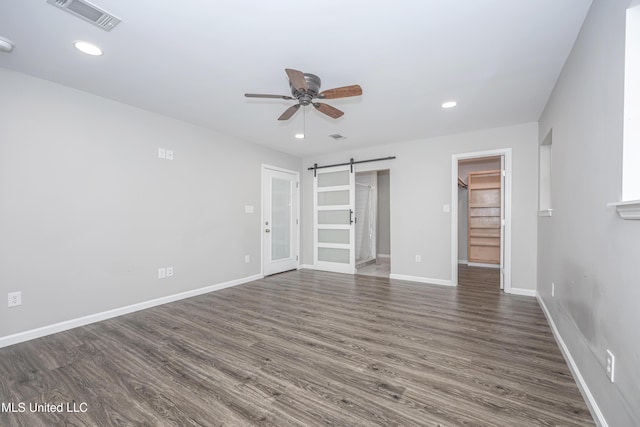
[(421, 185), (585, 248), (89, 213)]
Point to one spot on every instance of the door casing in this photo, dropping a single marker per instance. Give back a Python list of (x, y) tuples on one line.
[(505, 266)]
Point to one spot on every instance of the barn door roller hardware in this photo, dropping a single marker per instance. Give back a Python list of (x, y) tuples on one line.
[(351, 162)]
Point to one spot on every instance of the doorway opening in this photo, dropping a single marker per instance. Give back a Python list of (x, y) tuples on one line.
[(481, 215), (372, 225)]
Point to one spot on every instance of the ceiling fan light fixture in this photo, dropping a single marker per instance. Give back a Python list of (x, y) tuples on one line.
[(6, 45), (299, 135), (449, 104), (88, 48)]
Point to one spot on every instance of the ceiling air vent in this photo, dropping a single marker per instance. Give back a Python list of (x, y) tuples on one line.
[(87, 11), (337, 136)]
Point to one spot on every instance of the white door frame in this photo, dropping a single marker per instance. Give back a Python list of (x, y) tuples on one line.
[(296, 240), (506, 267)]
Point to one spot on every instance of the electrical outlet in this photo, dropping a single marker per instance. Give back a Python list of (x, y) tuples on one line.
[(553, 289), (162, 153), (15, 299), (611, 364), (247, 259), (169, 271), (446, 208), (169, 154), (162, 273), (248, 209), (418, 258)]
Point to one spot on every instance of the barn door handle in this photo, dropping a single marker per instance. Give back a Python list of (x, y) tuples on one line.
[(350, 216)]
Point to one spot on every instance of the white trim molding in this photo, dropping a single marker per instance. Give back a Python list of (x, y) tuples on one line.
[(463, 261), (97, 317), (523, 292), (627, 210), (440, 282), (307, 266), (582, 385), (383, 256)]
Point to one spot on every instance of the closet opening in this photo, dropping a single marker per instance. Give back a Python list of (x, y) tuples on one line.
[(372, 225), (481, 231)]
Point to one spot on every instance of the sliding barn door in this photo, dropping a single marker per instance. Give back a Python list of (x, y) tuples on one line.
[(333, 219)]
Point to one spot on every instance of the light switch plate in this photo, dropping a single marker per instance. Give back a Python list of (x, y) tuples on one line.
[(162, 153)]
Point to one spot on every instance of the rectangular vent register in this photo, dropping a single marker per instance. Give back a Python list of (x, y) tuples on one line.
[(89, 12)]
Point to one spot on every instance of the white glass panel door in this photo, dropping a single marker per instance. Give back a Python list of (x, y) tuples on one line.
[(279, 225), (333, 217)]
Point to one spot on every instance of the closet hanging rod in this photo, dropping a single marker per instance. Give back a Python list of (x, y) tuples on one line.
[(351, 162)]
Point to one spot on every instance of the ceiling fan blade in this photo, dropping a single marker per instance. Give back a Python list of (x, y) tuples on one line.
[(289, 112), (330, 111), (297, 79), (341, 92), (259, 95)]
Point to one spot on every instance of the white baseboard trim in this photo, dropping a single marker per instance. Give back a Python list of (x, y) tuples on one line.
[(97, 317), (596, 413), (525, 292), (421, 279), (480, 264), (307, 266), (463, 261), (383, 256)]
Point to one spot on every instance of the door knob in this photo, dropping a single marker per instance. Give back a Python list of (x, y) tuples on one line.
[(267, 230)]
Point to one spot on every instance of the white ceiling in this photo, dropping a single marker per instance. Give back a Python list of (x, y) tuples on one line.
[(194, 60)]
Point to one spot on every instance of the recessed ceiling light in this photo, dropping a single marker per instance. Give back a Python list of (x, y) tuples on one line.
[(6, 45), (449, 104), (88, 48), (300, 135)]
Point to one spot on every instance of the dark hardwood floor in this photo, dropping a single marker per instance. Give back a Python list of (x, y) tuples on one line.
[(306, 348)]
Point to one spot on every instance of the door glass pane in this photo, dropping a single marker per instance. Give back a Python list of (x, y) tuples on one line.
[(333, 255), (334, 217), (333, 236), (330, 179), (327, 198), (280, 219)]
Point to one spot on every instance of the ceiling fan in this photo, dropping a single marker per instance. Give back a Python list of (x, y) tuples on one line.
[(305, 88)]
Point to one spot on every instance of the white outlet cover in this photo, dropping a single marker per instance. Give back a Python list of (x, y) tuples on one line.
[(248, 209), (162, 153), (169, 154), (247, 258), (611, 365), (418, 258), (446, 208), (15, 299), (169, 271), (162, 273)]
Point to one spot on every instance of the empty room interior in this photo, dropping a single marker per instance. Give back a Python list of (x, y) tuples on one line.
[(418, 213)]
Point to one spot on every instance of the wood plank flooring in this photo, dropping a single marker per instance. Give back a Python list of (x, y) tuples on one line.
[(306, 348)]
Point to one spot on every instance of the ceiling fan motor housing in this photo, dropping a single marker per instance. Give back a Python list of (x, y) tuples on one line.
[(313, 89)]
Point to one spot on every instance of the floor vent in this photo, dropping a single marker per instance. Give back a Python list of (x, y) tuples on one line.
[(87, 11), (337, 136)]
